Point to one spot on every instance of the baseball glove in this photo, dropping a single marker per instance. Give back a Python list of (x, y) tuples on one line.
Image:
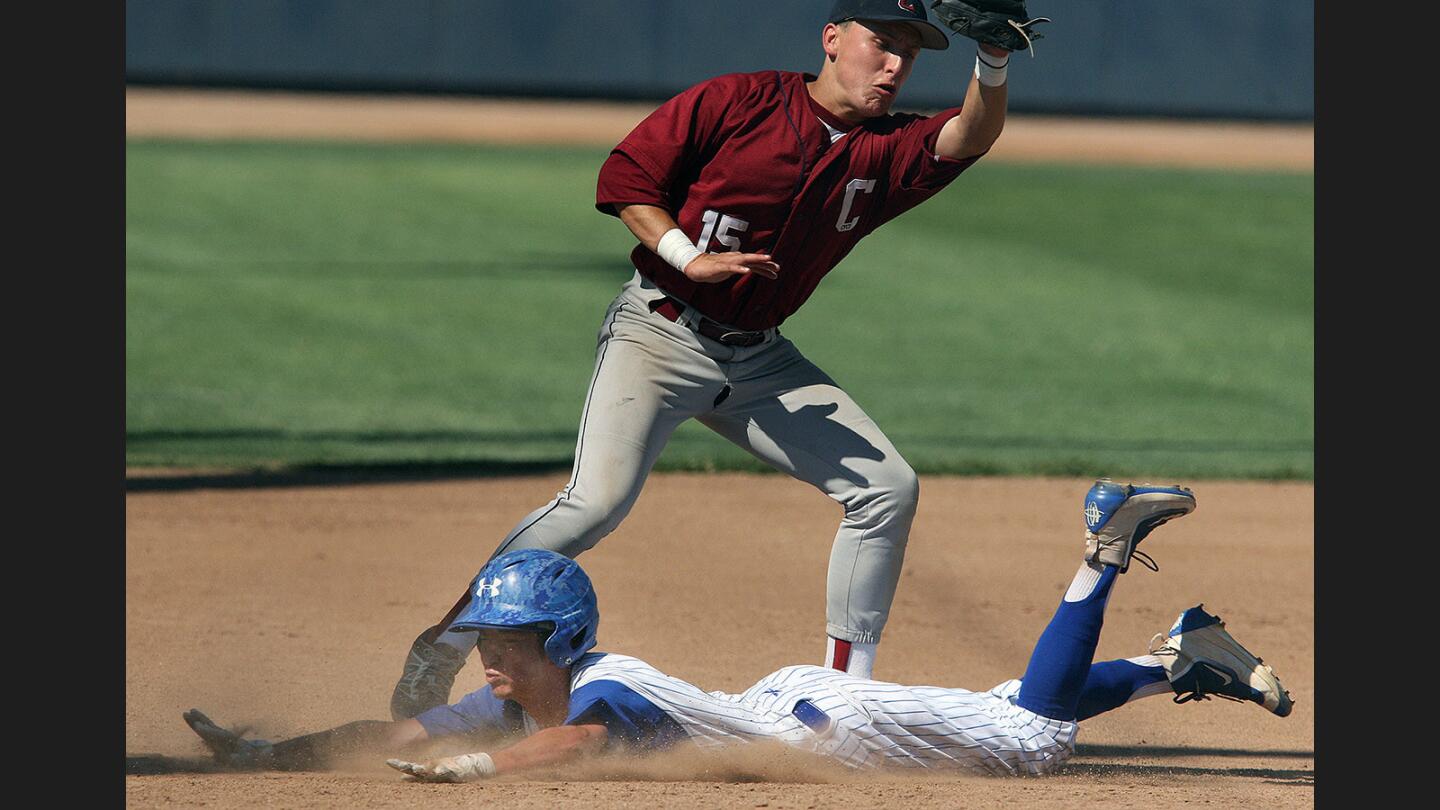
[(1002, 23)]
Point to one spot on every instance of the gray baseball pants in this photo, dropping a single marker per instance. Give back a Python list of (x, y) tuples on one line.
[(651, 374)]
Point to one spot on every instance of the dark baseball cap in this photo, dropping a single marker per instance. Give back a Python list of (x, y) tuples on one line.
[(909, 11)]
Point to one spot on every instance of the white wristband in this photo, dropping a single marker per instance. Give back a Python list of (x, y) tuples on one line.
[(677, 249), (989, 73)]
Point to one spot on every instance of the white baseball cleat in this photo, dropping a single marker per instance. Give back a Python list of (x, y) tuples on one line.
[(1201, 660), (1118, 516)]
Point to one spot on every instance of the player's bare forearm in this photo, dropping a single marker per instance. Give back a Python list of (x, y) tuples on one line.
[(649, 223), (551, 746), (980, 121)]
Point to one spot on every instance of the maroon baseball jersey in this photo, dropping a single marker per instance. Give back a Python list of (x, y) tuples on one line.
[(743, 162)]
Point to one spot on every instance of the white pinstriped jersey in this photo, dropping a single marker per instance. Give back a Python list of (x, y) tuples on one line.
[(871, 723)]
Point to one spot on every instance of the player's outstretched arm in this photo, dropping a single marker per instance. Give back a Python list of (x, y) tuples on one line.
[(651, 224), (309, 752), (982, 117), (551, 746), (319, 750)]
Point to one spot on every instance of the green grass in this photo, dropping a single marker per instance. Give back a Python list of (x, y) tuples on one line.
[(302, 304)]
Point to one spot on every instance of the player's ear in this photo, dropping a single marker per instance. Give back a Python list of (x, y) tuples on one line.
[(829, 40)]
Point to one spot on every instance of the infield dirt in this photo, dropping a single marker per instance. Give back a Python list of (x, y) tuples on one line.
[(291, 609), (209, 114)]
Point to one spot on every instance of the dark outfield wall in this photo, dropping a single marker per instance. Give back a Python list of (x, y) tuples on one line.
[(1199, 58)]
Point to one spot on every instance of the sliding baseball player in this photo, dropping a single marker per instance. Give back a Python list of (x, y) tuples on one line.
[(549, 697)]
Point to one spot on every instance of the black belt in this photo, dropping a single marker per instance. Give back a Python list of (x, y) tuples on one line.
[(671, 309)]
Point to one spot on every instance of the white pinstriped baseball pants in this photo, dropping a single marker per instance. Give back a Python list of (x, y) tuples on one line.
[(652, 374), (865, 723), (876, 724)]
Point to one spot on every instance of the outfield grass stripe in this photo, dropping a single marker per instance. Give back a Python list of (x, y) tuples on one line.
[(388, 304)]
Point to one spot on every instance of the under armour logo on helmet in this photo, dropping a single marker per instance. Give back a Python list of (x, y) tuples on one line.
[(1092, 513), (493, 587), (907, 5)]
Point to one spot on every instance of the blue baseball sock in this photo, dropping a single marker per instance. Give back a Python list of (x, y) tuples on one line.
[(1060, 664), (1112, 684)]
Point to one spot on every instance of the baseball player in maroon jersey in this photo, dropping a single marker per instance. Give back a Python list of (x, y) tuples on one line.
[(744, 191)]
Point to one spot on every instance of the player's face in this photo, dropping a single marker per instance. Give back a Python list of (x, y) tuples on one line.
[(513, 660), (872, 61)]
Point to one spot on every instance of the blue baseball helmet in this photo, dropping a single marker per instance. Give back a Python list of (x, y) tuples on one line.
[(533, 586)]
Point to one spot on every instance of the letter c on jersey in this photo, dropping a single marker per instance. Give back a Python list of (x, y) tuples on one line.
[(843, 224)]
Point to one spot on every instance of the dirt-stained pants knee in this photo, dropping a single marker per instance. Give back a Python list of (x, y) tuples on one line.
[(652, 374)]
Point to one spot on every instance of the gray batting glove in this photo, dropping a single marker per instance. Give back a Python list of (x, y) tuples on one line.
[(228, 747), (464, 768)]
